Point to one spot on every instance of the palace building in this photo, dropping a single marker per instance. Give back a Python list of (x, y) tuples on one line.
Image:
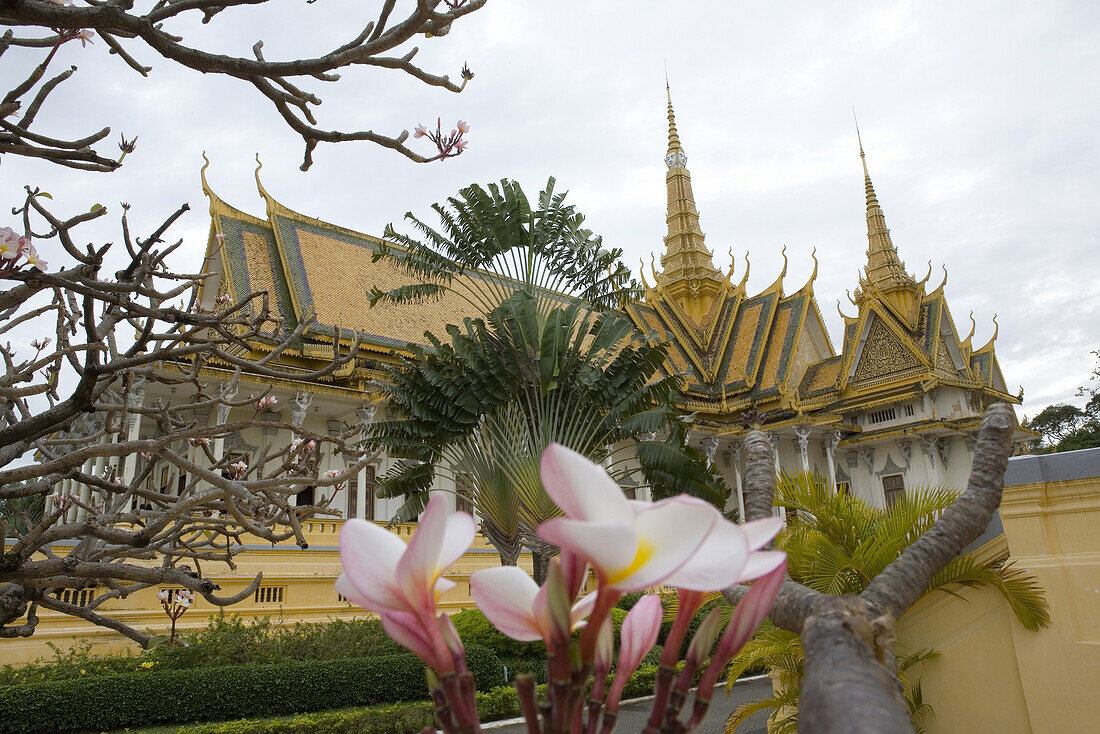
[(894, 404)]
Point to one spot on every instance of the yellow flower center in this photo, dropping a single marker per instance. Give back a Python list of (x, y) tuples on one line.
[(641, 556)]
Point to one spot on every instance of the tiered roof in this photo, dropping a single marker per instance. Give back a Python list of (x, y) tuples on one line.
[(735, 351)]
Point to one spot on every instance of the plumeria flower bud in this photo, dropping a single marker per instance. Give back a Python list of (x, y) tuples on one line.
[(558, 604), (145, 455), (703, 641), (420, 131), (466, 73), (40, 344), (636, 638), (451, 638)]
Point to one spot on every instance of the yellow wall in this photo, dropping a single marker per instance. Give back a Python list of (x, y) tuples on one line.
[(307, 576), (994, 675)]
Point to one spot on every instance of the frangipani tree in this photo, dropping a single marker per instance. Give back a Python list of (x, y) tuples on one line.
[(836, 544), (542, 366)]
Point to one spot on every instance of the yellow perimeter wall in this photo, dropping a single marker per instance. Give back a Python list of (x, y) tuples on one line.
[(305, 576), (994, 675)]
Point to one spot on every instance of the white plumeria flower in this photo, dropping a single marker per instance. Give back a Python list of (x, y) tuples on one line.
[(632, 545), (402, 583), (517, 606)]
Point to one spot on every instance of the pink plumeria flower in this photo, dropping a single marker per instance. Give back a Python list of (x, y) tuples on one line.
[(631, 545), (266, 402), (199, 441), (460, 145), (34, 260), (402, 583), (420, 131), (40, 344), (237, 469), (162, 595), (11, 243), (86, 36), (220, 237), (463, 127), (517, 606)]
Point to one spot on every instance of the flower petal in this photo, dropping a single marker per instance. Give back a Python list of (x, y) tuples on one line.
[(582, 488), (506, 595), (370, 556), (403, 628), (419, 568), (457, 538), (717, 564), (610, 547), (582, 609), (639, 633), (669, 533), (761, 563), (761, 532)]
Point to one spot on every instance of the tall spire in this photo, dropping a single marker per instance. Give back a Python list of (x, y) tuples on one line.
[(885, 270), (688, 273)]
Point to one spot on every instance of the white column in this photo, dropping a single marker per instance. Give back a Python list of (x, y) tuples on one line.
[(365, 415), (218, 448), (831, 442), (774, 438), (803, 439), (735, 447)]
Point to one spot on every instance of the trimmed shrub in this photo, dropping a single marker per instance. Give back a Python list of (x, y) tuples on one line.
[(401, 718), (164, 696)]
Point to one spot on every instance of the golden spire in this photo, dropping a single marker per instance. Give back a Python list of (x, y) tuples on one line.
[(688, 273), (884, 270)]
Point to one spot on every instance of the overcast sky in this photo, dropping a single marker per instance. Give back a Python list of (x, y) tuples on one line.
[(980, 121)]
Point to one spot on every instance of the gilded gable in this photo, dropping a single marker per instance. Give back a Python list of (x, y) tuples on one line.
[(883, 354)]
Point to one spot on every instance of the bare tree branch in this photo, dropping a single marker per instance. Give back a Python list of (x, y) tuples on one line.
[(121, 29)]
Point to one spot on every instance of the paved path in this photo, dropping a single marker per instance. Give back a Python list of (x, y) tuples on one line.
[(633, 716)]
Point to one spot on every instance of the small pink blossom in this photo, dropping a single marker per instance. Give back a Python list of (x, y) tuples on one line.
[(199, 441), (86, 36), (517, 606), (220, 237), (40, 344), (34, 260), (266, 402), (420, 131), (463, 127), (237, 469), (333, 473)]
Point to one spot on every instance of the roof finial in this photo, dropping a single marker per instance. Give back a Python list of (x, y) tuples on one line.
[(673, 136)]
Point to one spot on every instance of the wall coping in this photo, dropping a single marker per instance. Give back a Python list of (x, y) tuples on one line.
[(1060, 467)]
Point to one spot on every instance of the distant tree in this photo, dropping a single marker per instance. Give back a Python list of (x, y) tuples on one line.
[(1066, 427), (43, 26)]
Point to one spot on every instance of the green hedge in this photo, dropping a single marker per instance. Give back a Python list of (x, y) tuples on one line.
[(402, 718), (165, 696)]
